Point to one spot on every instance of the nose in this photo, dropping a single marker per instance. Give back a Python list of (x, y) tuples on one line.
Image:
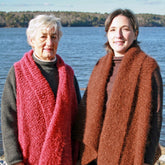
[(119, 33), (49, 40)]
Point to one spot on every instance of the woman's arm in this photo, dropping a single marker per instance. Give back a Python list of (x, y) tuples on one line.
[(21, 163), (9, 121), (156, 117), (77, 89)]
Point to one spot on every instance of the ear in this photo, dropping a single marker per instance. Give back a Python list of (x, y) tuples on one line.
[(31, 41), (136, 34)]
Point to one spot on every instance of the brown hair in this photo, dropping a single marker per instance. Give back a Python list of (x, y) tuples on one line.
[(127, 13)]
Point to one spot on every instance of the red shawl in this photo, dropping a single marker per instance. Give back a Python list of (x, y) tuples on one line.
[(120, 136), (44, 122)]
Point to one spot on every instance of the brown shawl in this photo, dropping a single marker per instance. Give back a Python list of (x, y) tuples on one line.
[(120, 136)]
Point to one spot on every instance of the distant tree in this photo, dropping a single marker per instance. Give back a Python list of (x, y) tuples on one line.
[(21, 19)]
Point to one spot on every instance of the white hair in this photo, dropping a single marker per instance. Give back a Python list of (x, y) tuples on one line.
[(48, 21)]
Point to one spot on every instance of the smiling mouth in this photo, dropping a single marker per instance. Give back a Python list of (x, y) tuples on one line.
[(48, 49), (119, 42)]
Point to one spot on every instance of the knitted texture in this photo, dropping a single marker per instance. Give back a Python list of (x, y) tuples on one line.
[(120, 136), (44, 122)]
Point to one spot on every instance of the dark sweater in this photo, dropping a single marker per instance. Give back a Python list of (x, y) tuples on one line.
[(156, 118), (9, 112)]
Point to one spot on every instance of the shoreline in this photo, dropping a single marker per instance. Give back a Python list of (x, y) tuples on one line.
[(161, 160)]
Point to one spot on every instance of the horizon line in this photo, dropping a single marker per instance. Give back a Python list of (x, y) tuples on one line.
[(71, 11)]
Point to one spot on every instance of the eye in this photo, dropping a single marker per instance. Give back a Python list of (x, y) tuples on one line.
[(43, 36), (126, 28), (112, 30), (54, 37)]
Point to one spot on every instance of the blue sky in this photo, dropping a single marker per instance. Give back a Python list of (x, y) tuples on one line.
[(100, 6)]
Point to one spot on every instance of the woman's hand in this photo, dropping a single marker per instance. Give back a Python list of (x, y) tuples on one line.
[(20, 163), (78, 163)]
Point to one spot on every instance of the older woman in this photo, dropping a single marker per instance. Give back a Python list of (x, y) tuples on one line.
[(39, 101), (120, 115)]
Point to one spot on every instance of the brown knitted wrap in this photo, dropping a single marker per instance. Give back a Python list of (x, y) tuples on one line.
[(120, 137)]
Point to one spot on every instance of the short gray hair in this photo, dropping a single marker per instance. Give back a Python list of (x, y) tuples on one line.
[(39, 21)]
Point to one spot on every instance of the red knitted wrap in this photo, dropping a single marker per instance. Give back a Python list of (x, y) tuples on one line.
[(44, 122)]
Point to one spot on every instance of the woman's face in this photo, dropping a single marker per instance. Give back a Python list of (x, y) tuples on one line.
[(45, 43), (120, 35)]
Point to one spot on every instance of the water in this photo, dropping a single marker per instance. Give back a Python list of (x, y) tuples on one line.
[(80, 47)]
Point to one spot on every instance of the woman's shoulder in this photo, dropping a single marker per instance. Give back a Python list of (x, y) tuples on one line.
[(11, 74), (103, 59), (10, 80), (150, 61)]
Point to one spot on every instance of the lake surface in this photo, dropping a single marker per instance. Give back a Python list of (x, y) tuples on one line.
[(80, 47)]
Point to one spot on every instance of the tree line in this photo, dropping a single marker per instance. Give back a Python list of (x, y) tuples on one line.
[(75, 19)]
